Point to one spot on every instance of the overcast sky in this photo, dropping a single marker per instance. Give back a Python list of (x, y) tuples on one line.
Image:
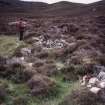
[(53, 1)]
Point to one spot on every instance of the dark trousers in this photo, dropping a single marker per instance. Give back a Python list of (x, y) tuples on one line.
[(21, 36)]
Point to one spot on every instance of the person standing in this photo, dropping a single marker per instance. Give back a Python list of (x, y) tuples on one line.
[(21, 27)]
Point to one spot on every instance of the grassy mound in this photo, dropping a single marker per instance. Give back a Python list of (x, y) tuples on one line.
[(19, 94), (8, 44)]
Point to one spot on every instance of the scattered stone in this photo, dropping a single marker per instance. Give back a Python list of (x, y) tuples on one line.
[(95, 90), (14, 60), (102, 85), (101, 76), (26, 51), (93, 81)]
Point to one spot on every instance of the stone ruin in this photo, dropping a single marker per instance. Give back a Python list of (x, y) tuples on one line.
[(96, 82)]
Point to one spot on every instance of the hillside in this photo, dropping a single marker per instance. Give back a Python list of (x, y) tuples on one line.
[(63, 8), (16, 6), (75, 9), (57, 9), (61, 59)]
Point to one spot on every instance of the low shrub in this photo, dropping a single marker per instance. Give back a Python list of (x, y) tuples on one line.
[(72, 72), (82, 97)]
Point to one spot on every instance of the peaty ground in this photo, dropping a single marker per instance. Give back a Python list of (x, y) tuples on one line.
[(19, 93)]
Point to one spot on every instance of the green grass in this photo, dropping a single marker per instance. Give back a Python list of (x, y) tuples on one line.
[(64, 88), (8, 44), (19, 93)]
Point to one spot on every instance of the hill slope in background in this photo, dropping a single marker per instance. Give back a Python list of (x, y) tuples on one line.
[(20, 6), (57, 9)]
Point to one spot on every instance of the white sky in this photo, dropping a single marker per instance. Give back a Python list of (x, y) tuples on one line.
[(53, 1)]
